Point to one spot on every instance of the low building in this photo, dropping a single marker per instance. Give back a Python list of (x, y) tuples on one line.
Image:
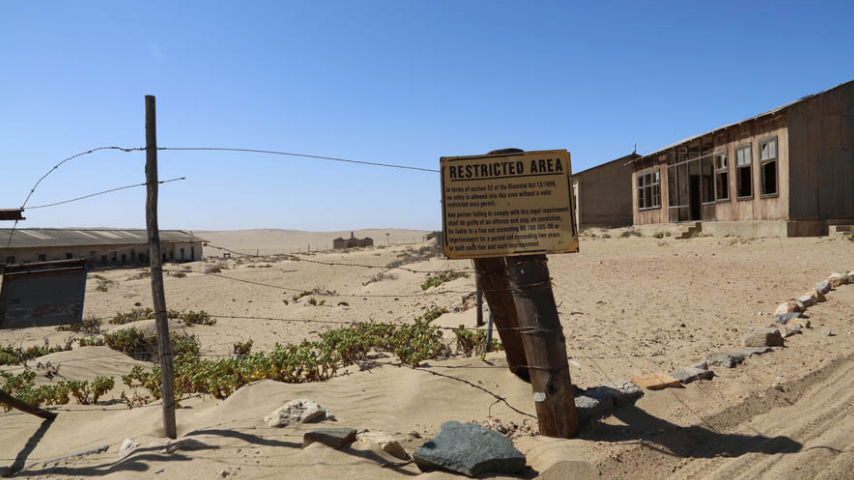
[(101, 246), (786, 172), (352, 242), (602, 195)]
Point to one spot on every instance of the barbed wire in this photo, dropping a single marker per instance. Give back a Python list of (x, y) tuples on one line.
[(105, 192)]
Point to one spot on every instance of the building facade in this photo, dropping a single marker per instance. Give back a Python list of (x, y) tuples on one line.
[(788, 171), (352, 242), (101, 247), (602, 194)]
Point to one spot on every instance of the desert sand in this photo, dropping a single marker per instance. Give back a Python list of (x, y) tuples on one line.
[(628, 306)]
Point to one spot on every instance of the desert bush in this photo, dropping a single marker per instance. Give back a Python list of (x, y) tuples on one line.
[(631, 232), (197, 318), (17, 355), (179, 274), (217, 268), (241, 349), (442, 277), (379, 278), (89, 326), (320, 290), (22, 386), (432, 313), (474, 342)]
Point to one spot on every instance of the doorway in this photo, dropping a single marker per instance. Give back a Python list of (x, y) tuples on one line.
[(694, 197)]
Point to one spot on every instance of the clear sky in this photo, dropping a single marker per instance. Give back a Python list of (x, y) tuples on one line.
[(389, 81)]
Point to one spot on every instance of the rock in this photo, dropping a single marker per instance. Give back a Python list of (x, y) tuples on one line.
[(186, 444), (656, 381), (590, 408), (621, 392), (128, 446), (822, 287), (824, 332), (298, 411), (470, 450), (570, 470), (331, 437), (792, 306), (789, 330), (785, 317), (689, 374), (386, 442), (731, 359), (837, 279), (818, 296), (807, 300), (763, 337)]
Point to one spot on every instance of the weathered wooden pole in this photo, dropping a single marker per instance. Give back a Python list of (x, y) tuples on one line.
[(164, 341), (479, 300), (13, 402), (492, 276), (545, 345)]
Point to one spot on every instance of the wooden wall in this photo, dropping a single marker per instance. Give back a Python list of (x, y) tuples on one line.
[(655, 215), (605, 195), (821, 139)]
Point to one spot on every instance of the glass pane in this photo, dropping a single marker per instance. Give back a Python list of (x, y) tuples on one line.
[(655, 177), (747, 155), (772, 149), (739, 157)]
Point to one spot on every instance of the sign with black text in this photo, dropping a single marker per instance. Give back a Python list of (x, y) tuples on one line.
[(507, 204)]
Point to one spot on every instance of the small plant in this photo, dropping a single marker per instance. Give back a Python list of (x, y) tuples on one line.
[(850, 237), (379, 278), (197, 318), (11, 355), (89, 326), (631, 232), (179, 274), (432, 313), (442, 277), (241, 349), (218, 268), (474, 342), (604, 235), (312, 301)]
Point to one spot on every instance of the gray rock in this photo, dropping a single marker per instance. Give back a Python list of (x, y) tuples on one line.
[(762, 337), (807, 300), (822, 287), (784, 318), (331, 437), (789, 330), (297, 411), (187, 444), (622, 392), (469, 449), (386, 442), (590, 407), (689, 374), (824, 332), (731, 359)]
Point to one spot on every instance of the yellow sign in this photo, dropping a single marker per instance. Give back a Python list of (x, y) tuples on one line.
[(507, 204)]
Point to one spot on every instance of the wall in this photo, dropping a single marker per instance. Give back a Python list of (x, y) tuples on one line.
[(605, 195), (113, 254), (655, 215), (821, 132)]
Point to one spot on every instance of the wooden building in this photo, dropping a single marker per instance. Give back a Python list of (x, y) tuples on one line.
[(601, 194), (785, 172), (100, 246), (352, 242)]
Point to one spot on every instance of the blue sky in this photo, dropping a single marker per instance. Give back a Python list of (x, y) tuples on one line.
[(389, 81)]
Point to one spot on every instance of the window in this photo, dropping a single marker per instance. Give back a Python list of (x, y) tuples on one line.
[(649, 190), (115, 257), (69, 255), (768, 166), (707, 175), (42, 257), (10, 260), (721, 176), (744, 172)]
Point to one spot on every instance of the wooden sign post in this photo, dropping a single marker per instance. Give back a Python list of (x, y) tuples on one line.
[(164, 341), (507, 210)]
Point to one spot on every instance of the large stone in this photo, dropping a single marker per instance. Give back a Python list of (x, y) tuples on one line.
[(590, 407), (824, 332), (785, 317), (763, 337), (297, 411), (789, 330), (807, 300), (689, 374), (837, 279), (818, 296), (386, 442), (622, 392), (469, 449), (656, 381), (731, 359), (570, 470), (792, 306), (822, 287), (331, 437)]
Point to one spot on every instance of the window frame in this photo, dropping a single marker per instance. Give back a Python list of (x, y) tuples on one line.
[(718, 171), (648, 189), (762, 164), (738, 168)]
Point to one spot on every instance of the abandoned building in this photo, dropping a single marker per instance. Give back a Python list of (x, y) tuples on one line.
[(601, 194), (352, 242), (786, 172), (102, 247)]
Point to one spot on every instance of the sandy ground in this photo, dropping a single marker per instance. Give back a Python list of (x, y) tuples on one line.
[(272, 241), (628, 306)]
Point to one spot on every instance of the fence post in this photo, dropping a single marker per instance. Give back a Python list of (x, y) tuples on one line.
[(164, 341), (545, 345)]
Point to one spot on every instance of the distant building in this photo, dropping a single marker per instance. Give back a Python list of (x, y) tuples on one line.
[(101, 246), (352, 242), (786, 172), (602, 195)]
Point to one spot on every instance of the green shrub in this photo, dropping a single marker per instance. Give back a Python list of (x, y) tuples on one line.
[(241, 349), (442, 277), (432, 313), (89, 326), (474, 342), (12, 355)]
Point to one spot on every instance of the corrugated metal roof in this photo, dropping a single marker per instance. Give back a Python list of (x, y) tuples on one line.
[(755, 117), (71, 237)]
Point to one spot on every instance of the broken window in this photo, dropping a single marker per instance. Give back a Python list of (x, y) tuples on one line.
[(42, 257), (744, 172), (69, 255), (10, 260), (707, 172), (768, 166), (649, 190), (721, 176)]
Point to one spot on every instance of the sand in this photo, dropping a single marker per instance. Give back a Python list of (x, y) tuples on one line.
[(629, 306)]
